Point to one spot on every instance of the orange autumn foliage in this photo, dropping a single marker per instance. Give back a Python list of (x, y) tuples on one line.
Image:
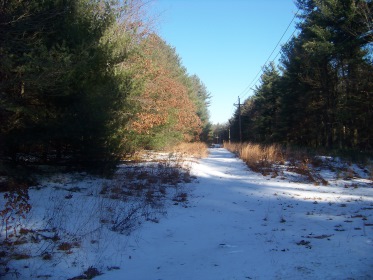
[(164, 100)]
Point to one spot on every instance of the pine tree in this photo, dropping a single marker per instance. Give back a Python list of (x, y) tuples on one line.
[(60, 92), (322, 76)]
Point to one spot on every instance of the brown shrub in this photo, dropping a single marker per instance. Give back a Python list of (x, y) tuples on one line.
[(65, 246), (195, 149)]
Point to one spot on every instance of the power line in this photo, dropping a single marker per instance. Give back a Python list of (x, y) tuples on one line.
[(245, 91), (291, 36), (256, 78)]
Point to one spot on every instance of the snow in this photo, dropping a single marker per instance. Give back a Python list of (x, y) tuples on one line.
[(236, 224), (243, 226)]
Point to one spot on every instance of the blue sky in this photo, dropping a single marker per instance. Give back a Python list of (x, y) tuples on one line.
[(224, 42)]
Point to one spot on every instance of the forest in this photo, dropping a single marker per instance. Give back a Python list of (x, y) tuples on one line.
[(86, 85), (320, 94), (88, 82)]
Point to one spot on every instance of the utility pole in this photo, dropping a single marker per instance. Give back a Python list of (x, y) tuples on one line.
[(239, 118), (229, 133)]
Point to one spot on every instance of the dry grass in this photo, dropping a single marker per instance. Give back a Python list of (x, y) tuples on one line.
[(196, 149), (257, 157), (266, 159)]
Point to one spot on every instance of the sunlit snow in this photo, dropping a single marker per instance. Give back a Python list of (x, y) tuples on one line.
[(237, 224)]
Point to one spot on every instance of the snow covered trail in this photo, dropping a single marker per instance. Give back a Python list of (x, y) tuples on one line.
[(241, 225)]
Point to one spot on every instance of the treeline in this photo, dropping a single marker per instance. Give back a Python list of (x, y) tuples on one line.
[(87, 82), (321, 95)]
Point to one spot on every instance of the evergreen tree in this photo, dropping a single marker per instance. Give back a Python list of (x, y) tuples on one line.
[(266, 104), (322, 95), (59, 90)]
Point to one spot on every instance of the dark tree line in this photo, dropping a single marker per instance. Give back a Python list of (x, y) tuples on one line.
[(72, 82), (321, 95)]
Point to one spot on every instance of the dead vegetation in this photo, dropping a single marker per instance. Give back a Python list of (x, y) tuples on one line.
[(258, 157), (275, 160), (137, 193), (195, 149)]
